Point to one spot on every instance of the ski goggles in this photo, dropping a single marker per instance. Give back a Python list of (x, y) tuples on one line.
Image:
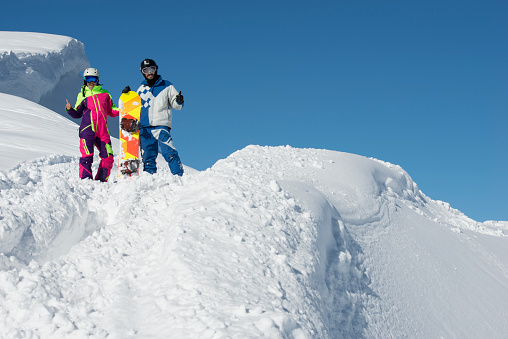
[(147, 70), (91, 79)]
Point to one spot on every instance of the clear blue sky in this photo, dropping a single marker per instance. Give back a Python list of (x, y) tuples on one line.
[(421, 84)]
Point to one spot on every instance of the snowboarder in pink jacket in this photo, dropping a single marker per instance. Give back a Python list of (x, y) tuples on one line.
[(93, 105)]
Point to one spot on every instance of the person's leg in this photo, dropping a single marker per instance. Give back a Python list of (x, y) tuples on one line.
[(86, 145), (149, 150), (168, 150), (106, 164)]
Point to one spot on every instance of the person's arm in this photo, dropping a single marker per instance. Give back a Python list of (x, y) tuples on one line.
[(175, 98), (111, 109), (74, 113)]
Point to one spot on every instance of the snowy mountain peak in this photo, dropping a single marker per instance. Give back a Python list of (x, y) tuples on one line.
[(25, 44), (43, 68)]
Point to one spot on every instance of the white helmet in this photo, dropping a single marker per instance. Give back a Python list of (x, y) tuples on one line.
[(91, 72)]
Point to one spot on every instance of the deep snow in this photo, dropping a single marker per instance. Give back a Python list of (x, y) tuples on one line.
[(273, 242)]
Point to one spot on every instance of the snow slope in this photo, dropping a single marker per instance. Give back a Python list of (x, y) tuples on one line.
[(43, 68), (272, 241), (30, 131)]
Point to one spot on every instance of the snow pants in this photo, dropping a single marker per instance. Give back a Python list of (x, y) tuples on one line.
[(88, 141), (155, 140)]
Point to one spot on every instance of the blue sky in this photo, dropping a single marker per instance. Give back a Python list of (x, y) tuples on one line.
[(420, 84)]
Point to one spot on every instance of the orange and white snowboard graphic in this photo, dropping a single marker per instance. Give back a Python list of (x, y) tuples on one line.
[(128, 156)]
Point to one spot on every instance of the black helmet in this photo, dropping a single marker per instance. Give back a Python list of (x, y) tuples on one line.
[(148, 63)]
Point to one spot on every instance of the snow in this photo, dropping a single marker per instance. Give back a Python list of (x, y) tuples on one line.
[(43, 68), (29, 131), (275, 242), (26, 44)]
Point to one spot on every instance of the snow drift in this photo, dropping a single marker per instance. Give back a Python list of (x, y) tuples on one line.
[(43, 68), (272, 241)]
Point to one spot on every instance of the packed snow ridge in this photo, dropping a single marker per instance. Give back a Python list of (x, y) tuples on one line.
[(272, 241), (43, 68)]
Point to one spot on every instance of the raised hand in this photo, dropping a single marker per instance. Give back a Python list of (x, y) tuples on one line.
[(179, 98)]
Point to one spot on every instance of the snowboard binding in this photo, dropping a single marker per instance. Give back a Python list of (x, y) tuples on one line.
[(129, 125), (129, 166)]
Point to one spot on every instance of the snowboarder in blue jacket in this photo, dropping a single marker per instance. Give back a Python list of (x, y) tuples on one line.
[(158, 99)]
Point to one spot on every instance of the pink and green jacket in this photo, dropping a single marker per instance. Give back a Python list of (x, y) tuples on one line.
[(88, 92), (94, 108)]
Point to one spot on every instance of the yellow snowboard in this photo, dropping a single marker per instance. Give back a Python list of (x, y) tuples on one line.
[(128, 156)]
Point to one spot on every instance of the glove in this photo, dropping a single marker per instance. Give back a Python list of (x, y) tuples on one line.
[(179, 98), (129, 125), (127, 89)]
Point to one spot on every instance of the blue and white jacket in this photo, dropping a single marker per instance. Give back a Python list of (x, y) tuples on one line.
[(157, 103)]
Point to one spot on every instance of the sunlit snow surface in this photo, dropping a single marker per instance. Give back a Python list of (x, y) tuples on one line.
[(28, 43), (30, 131), (277, 242)]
